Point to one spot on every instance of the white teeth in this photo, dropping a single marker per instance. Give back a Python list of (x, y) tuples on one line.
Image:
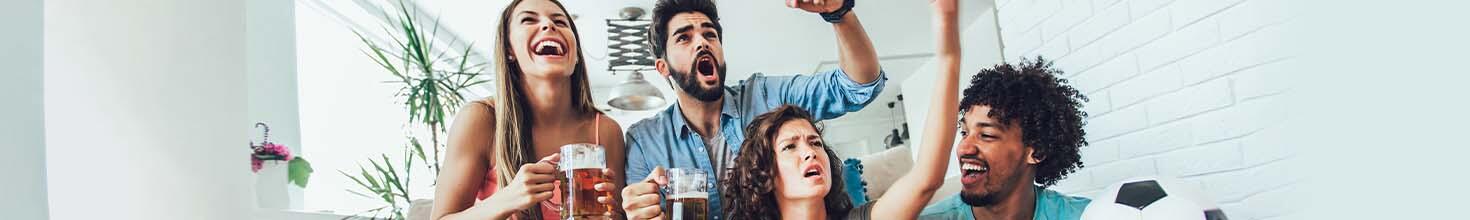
[(552, 44), (972, 167)]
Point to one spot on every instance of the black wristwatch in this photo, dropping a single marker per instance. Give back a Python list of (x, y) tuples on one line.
[(836, 16)]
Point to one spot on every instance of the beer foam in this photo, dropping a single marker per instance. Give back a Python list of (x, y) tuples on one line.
[(572, 165), (582, 156), (690, 195)]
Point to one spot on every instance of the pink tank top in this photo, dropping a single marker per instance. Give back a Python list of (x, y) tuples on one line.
[(550, 208)]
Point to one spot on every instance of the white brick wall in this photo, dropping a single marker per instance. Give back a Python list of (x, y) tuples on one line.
[(1183, 88)]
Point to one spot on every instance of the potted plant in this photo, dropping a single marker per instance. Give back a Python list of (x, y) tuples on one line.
[(431, 80), (270, 186)]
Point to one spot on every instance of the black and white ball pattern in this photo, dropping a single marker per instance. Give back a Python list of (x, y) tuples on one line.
[(1152, 199)]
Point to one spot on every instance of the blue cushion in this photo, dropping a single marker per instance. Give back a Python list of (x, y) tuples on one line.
[(853, 182)]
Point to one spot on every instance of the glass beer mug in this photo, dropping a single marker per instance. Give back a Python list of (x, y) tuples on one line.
[(687, 194), (580, 171)]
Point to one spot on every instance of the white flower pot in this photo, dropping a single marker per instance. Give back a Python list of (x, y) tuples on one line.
[(272, 191)]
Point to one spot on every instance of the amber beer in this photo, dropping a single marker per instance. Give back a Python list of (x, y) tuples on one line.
[(690, 206), (581, 167), (687, 195)]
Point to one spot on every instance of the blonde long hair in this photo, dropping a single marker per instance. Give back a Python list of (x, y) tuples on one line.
[(512, 146)]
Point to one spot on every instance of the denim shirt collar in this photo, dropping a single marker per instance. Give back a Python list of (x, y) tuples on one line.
[(728, 109)]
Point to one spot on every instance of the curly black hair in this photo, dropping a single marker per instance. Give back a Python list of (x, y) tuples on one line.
[(750, 189), (664, 10), (1032, 95)]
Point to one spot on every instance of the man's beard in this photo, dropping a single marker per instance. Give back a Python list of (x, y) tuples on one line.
[(989, 196), (983, 197), (690, 83), (979, 199)]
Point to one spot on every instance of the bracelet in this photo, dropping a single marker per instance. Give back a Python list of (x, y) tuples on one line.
[(836, 16)]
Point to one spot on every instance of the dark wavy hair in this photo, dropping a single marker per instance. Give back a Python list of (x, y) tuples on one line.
[(1032, 94), (749, 191), (664, 10)]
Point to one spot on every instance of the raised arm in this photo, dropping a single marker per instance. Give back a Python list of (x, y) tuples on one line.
[(855, 52), (906, 198)]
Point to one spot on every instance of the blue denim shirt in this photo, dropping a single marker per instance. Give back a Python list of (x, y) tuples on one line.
[(1050, 205), (666, 140)]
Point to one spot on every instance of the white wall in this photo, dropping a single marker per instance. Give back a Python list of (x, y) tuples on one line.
[(23, 129), (270, 28), (144, 110), (866, 131), (1182, 88), (1398, 69)]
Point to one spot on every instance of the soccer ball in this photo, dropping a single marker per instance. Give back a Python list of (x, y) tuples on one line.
[(1152, 199)]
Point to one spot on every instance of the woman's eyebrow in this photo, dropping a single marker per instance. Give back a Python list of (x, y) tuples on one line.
[(785, 139)]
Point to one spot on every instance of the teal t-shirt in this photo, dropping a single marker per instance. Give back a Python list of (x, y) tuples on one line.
[(1050, 205)]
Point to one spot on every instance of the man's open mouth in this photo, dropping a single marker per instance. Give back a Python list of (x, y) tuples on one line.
[(967, 169), (705, 65), (973, 171)]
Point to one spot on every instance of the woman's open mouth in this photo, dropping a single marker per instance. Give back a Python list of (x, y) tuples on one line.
[(550, 47), (812, 172)]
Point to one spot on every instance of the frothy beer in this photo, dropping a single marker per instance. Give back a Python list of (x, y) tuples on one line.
[(687, 194), (687, 206), (581, 170)]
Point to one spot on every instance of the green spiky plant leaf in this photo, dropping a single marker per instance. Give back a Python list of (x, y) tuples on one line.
[(431, 78)]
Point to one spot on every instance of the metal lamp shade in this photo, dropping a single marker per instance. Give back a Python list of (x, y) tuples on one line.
[(636, 94)]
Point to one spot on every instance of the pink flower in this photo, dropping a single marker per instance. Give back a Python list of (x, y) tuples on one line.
[(268, 151), (256, 164), (278, 150)]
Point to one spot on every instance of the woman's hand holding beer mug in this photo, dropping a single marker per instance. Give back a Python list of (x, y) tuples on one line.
[(641, 200), (533, 183), (609, 189)]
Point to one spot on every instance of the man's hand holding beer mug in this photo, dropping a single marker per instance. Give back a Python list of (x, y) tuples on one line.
[(687, 191), (641, 200)]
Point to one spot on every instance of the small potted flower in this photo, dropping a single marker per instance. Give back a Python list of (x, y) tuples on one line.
[(273, 182), (299, 170)]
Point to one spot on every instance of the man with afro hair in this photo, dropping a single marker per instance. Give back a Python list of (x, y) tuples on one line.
[(1020, 130)]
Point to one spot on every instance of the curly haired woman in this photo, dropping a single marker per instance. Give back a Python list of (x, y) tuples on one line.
[(786, 171)]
